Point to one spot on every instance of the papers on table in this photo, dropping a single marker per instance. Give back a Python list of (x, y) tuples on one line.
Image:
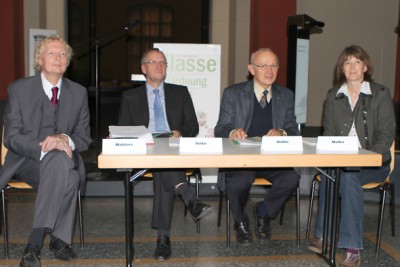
[(129, 132), (162, 134), (251, 141)]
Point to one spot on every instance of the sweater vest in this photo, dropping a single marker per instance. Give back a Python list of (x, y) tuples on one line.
[(261, 120)]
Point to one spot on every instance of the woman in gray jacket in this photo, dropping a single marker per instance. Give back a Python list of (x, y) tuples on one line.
[(356, 107)]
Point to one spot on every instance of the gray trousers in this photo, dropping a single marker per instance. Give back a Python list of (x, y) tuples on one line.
[(57, 181)]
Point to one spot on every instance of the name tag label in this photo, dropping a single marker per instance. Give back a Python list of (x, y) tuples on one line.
[(282, 144), (332, 144), (189, 145), (124, 146)]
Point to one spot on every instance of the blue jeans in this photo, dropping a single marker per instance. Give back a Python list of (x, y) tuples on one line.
[(351, 227)]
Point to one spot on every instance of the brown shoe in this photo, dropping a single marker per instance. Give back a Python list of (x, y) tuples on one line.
[(316, 245), (351, 260)]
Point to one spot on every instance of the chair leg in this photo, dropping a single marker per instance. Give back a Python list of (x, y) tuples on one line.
[(392, 209), (380, 222), (185, 209), (282, 213), (221, 197), (310, 210), (4, 223), (298, 216), (81, 235), (197, 175), (228, 224), (197, 196)]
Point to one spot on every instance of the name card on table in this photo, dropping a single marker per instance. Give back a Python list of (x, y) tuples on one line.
[(189, 145), (282, 144), (124, 146), (337, 144)]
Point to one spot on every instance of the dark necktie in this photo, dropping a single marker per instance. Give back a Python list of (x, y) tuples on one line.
[(159, 117), (54, 99), (263, 99)]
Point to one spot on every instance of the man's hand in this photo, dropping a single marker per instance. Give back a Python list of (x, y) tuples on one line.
[(176, 133), (238, 133), (59, 142), (274, 132)]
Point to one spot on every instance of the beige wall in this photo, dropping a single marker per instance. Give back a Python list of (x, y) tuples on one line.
[(43, 14), (368, 23)]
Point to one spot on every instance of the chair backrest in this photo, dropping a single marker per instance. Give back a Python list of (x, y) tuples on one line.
[(392, 154), (392, 150), (387, 180), (3, 148), (261, 181)]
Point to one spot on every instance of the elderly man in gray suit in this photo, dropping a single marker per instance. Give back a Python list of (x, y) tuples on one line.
[(46, 124), (256, 108)]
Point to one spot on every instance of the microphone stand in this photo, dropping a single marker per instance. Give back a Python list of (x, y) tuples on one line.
[(95, 41)]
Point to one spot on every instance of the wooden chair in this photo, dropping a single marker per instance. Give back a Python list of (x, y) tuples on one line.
[(258, 182), (15, 184), (384, 187)]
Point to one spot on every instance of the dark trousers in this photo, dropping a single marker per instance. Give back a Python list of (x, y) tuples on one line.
[(164, 196), (239, 182)]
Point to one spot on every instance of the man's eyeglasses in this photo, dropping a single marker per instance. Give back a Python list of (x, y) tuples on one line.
[(264, 66), (153, 62)]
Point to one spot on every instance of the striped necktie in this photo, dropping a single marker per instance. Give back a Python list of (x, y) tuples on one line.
[(263, 99)]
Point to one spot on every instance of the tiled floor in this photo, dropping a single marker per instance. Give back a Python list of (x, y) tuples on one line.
[(105, 236)]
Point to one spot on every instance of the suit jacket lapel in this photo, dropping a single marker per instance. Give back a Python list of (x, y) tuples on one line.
[(247, 100), (65, 102)]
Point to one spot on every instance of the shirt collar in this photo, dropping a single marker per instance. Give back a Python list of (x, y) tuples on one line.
[(258, 90), (150, 89), (47, 85), (365, 89)]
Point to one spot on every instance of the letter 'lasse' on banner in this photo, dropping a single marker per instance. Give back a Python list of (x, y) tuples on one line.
[(124, 146)]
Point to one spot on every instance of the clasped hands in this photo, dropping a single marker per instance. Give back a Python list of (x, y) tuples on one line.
[(239, 133), (59, 142)]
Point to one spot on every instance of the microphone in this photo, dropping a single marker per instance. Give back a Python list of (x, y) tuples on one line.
[(131, 24), (312, 22)]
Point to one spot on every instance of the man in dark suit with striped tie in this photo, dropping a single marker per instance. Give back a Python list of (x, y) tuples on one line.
[(256, 108)]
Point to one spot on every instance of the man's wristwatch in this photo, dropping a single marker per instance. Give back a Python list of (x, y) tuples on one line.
[(283, 132)]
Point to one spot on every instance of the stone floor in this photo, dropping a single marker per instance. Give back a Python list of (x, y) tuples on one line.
[(105, 237)]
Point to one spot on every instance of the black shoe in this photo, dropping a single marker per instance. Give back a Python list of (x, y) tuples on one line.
[(31, 257), (163, 248), (62, 250), (263, 226), (243, 234), (198, 209)]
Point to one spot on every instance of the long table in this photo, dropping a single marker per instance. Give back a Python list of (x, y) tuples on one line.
[(162, 155)]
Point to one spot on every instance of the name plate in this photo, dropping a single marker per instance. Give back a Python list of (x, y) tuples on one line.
[(190, 145), (282, 144), (337, 144), (124, 146)]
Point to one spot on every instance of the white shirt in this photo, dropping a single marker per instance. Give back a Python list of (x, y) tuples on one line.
[(344, 89)]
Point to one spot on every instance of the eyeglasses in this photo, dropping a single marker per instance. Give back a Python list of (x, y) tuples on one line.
[(264, 66), (153, 62)]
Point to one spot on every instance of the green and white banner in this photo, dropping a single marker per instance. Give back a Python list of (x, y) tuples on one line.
[(197, 66)]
